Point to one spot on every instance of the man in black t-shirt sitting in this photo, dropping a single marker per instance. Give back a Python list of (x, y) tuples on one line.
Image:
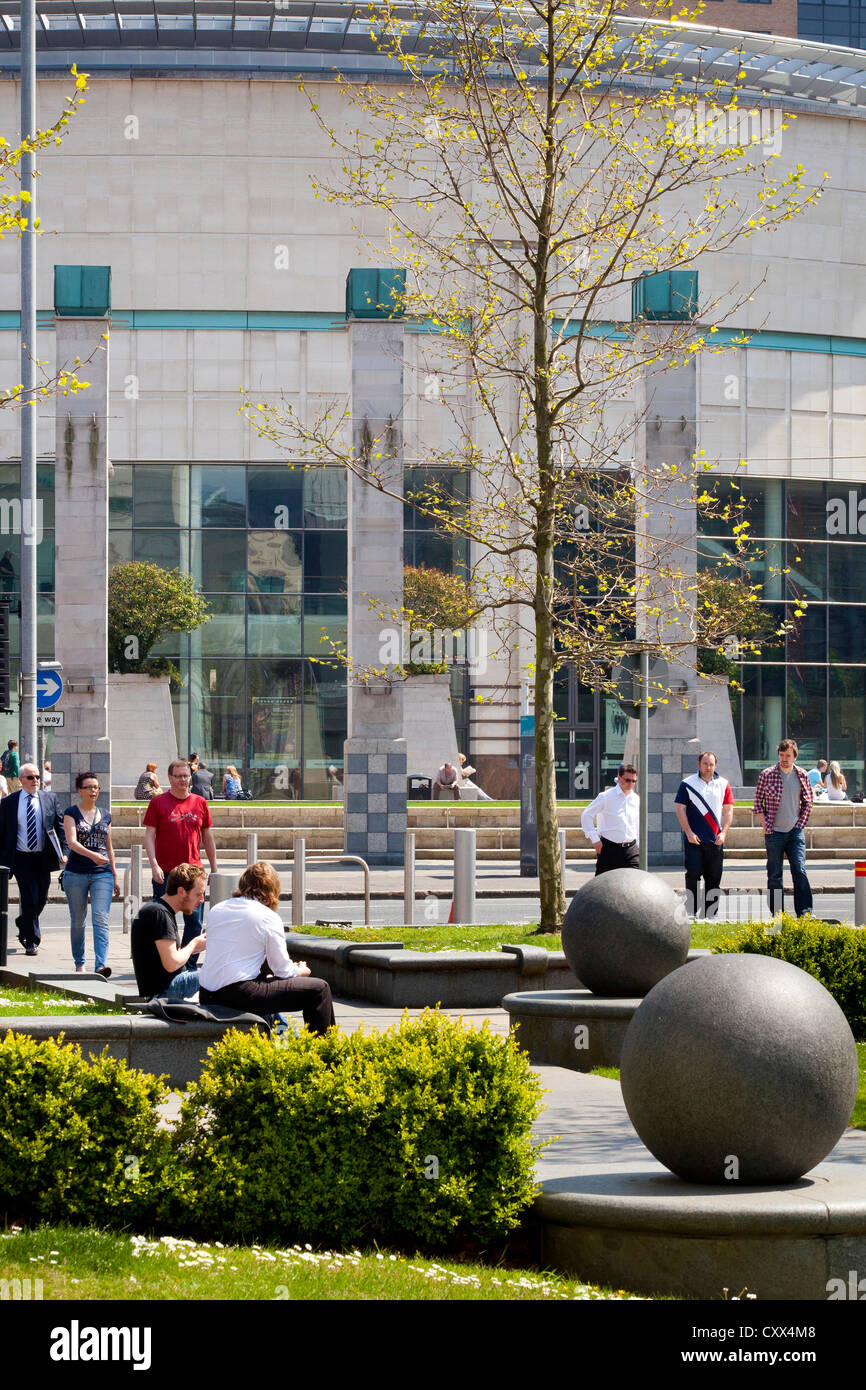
[(157, 955)]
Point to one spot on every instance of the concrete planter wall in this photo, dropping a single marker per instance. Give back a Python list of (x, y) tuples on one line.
[(141, 729), (428, 725)]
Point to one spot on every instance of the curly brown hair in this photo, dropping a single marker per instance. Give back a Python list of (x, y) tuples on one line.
[(261, 882)]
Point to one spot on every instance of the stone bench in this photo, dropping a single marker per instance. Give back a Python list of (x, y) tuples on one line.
[(176, 1049)]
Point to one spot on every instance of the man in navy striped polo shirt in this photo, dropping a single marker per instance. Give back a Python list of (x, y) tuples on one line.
[(705, 808)]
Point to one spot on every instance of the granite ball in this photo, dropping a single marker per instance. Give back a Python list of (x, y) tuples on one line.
[(739, 1069), (624, 931)]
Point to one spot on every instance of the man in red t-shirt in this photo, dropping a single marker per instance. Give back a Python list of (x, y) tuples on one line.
[(176, 825)]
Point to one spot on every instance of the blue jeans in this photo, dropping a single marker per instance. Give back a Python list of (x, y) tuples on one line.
[(193, 922), (100, 888), (790, 844), (183, 986)]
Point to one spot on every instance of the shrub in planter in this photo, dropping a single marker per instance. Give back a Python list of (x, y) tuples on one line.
[(419, 1134), (78, 1137), (834, 955)]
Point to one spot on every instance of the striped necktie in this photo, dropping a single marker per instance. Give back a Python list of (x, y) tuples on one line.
[(32, 837)]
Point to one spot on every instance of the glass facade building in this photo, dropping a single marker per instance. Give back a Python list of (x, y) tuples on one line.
[(266, 544)]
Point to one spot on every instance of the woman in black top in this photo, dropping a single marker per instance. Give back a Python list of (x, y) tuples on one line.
[(89, 871)]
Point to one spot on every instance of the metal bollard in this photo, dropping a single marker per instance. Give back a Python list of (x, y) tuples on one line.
[(252, 847), (221, 886), (860, 894), (409, 879), (562, 855), (136, 873), (464, 876), (299, 881)]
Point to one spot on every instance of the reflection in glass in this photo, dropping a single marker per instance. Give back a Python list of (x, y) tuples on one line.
[(217, 713), (763, 717), (165, 548), (848, 725), (219, 560), (274, 497), (223, 634), (807, 712), (120, 496), (274, 625), (275, 565), (161, 495), (218, 496), (325, 562), (325, 502), (807, 571), (847, 573)]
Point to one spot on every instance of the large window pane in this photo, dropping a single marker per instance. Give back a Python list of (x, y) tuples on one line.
[(325, 498), (119, 548), (847, 573), (847, 639), (807, 511), (808, 640), (325, 565), (274, 625), (161, 495), (324, 721), (275, 565), (807, 712), (848, 725), (218, 496), (435, 551), (439, 489), (217, 713), (219, 560), (763, 718), (276, 698), (325, 623), (170, 549), (807, 571), (275, 497), (223, 635), (120, 496)]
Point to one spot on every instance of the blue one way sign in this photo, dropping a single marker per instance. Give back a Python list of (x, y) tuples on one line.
[(49, 688)]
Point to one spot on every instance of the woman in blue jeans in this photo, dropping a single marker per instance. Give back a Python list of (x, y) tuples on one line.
[(89, 872)]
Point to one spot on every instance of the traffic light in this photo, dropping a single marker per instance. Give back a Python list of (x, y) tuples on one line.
[(5, 704)]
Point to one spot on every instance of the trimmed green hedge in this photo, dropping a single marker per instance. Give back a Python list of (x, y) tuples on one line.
[(834, 955), (419, 1133), (79, 1138)]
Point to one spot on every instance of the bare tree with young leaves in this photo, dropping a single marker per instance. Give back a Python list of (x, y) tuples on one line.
[(526, 163)]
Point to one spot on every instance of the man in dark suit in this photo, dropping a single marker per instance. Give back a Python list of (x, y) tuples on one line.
[(31, 834)]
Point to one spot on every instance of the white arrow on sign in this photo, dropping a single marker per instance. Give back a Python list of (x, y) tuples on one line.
[(49, 688)]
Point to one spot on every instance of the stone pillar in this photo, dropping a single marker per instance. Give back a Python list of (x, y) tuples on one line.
[(666, 546), (81, 561), (375, 751)]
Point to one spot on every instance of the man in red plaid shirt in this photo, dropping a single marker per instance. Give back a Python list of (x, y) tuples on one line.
[(783, 805)]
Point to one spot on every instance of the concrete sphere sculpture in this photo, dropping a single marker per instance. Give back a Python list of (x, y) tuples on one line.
[(624, 932), (739, 1069)]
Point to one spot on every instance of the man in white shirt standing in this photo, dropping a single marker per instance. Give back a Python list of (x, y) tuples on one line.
[(611, 822)]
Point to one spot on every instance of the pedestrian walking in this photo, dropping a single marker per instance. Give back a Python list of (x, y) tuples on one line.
[(32, 845), (90, 872), (783, 805), (704, 806), (611, 822), (176, 825), (10, 766)]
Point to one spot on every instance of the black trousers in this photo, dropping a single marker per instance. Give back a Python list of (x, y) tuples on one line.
[(267, 997), (614, 856), (704, 861), (33, 875)]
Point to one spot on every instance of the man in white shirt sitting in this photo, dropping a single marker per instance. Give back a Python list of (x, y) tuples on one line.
[(611, 822), (246, 940)]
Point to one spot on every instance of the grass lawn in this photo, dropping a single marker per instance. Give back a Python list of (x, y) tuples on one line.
[(477, 938), (474, 938), (79, 1263), (858, 1116), (24, 1003)]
